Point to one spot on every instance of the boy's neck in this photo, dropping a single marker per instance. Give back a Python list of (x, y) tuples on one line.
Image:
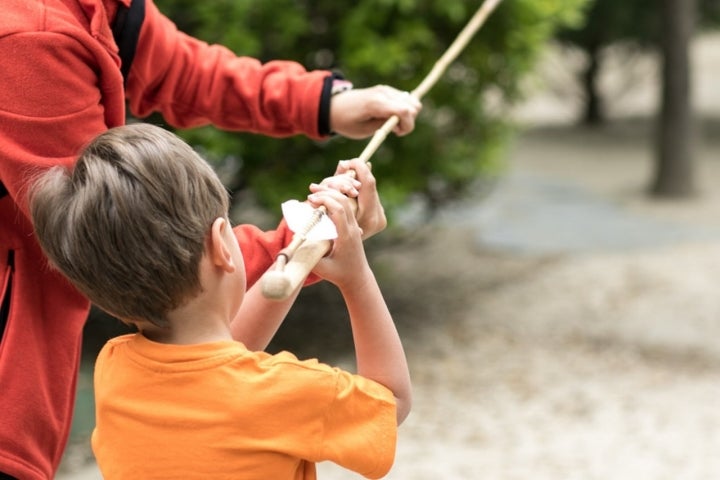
[(188, 326), (207, 315), (174, 337)]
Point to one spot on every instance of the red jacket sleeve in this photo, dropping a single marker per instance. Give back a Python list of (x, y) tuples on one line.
[(192, 83), (259, 249)]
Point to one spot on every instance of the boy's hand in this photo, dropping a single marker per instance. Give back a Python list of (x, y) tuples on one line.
[(346, 265), (370, 213)]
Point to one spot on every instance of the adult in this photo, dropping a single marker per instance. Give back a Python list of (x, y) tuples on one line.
[(61, 84)]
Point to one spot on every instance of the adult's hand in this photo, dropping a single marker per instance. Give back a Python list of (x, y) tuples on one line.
[(360, 112)]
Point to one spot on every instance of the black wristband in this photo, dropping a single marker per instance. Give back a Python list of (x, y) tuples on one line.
[(332, 84)]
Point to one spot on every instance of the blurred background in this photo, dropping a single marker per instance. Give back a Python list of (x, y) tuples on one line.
[(553, 256)]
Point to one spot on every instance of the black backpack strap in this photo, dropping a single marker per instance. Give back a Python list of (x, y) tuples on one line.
[(5, 305), (126, 31)]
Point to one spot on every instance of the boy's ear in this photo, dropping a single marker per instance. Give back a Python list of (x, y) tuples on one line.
[(220, 252)]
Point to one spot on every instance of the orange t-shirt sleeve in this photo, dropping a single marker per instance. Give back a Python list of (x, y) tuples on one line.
[(360, 428), (331, 415)]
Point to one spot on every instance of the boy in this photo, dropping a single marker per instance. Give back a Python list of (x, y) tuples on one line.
[(181, 398)]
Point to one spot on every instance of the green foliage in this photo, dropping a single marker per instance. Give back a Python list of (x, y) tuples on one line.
[(396, 42)]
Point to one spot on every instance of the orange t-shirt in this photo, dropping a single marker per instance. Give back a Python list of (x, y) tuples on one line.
[(219, 411)]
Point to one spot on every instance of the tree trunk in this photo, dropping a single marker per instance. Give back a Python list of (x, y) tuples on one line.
[(593, 114), (674, 172)]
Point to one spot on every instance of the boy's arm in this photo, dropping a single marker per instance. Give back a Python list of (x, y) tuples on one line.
[(378, 349), (259, 318)]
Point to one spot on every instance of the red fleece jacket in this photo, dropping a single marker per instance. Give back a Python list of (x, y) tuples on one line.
[(60, 85)]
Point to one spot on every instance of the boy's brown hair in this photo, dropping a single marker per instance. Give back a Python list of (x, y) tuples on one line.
[(128, 224)]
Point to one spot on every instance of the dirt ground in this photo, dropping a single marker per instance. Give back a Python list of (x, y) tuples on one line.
[(596, 356), (599, 363)]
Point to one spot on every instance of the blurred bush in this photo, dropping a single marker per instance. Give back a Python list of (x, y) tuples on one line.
[(463, 126)]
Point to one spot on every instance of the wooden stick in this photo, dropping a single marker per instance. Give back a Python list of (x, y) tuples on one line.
[(436, 72), (295, 261)]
